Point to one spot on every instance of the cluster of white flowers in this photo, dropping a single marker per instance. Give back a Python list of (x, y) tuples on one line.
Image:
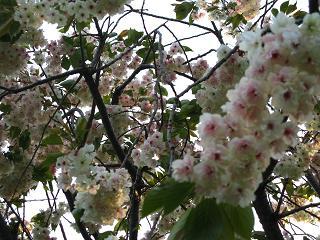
[(12, 58), (101, 193), (119, 118), (148, 154), (173, 61), (199, 68), (17, 180), (41, 233), (50, 218), (106, 204), (212, 95), (26, 110), (247, 135), (217, 11), (30, 14), (294, 165), (248, 8), (76, 164)]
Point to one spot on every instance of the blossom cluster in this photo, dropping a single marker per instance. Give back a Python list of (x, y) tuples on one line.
[(247, 134), (248, 8), (294, 165), (212, 94), (31, 14), (11, 182), (148, 154), (101, 193), (12, 58), (47, 218)]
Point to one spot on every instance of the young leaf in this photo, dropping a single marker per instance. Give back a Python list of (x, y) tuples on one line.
[(52, 139), (168, 197), (65, 63), (241, 219), (81, 129), (204, 222), (284, 6), (182, 10), (274, 11), (133, 37), (24, 139)]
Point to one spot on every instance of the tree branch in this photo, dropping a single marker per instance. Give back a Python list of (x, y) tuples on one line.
[(79, 224), (107, 124), (212, 70), (313, 181), (119, 89), (298, 209), (264, 211), (313, 6), (9, 91)]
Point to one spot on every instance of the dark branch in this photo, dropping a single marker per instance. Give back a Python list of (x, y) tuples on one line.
[(313, 181), (212, 70), (264, 211), (313, 6), (119, 89), (298, 209), (80, 225), (9, 91)]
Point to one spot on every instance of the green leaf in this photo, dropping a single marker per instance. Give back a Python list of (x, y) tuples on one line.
[(8, 3), (187, 49), (5, 108), (299, 14), (81, 25), (89, 50), (284, 6), (162, 90), (188, 109), (241, 219), (81, 129), (133, 37), (67, 26), (274, 12), (122, 225), (52, 158), (77, 214), (76, 58), (52, 139), (182, 10), (40, 219), (236, 20), (42, 172), (5, 26), (291, 8), (106, 99), (24, 139), (65, 63), (168, 197), (204, 222), (209, 220), (147, 56), (67, 84), (14, 132), (176, 232), (104, 235)]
